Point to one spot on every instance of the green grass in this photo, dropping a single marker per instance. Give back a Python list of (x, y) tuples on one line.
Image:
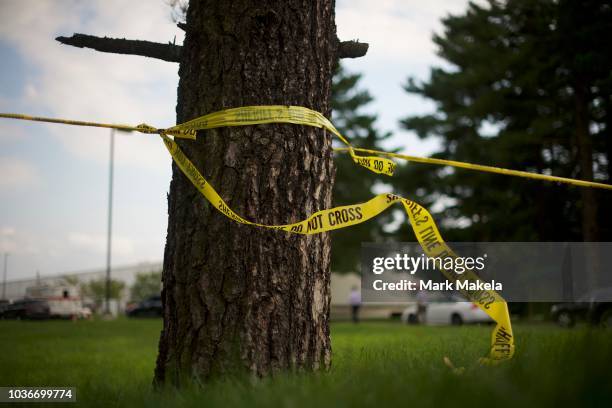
[(374, 364)]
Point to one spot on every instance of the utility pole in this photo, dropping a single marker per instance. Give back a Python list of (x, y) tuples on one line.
[(4, 279), (110, 223)]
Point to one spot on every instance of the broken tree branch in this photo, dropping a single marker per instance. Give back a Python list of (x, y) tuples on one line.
[(346, 49), (167, 52), (352, 49), (172, 52)]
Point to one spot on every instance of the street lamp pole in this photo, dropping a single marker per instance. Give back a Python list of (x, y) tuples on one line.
[(4, 279), (110, 223)]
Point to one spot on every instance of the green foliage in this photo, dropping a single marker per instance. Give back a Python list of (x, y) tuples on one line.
[(96, 290), (383, 364), (353, 183), (146, 285), (509, 96)]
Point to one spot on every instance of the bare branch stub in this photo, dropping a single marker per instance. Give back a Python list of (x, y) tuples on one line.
[(166, 52), (172, 52), (352, 49)]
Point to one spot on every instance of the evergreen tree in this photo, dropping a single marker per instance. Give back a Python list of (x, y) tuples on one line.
[(353, 183), (528, 88), (239, 299)]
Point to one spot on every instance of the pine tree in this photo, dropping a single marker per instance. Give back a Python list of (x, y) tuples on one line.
[(353, 183), (527, 88), (240, 299)]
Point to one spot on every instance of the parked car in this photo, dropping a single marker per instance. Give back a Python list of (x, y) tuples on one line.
[(27, 309), (3, 305), (85, 313), (446, 309), (150, 307), (593, 307)]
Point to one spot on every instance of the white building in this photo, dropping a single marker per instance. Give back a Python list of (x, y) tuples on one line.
[(17, 289), (341, 285)]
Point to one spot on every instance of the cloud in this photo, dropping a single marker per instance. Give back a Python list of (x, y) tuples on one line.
[(7, 231), (11, 132), (396, 30), (33, 250), (83, 84), (89, 85), (17, 173), (63, 81), (400, 36), (7, 239), (96, 243), (14, 242)]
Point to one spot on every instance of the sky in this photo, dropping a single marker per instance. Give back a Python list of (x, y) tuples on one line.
[(54, 178)]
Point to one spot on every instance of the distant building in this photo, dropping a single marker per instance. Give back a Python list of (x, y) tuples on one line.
[(18, 289), (341, 285)]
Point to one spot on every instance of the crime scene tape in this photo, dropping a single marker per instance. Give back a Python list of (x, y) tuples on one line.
[(423, 225), (421, 221), (246, 115), (483, 168), (256, 115)]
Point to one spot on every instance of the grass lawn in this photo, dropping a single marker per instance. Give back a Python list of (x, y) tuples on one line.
[(374, 364)]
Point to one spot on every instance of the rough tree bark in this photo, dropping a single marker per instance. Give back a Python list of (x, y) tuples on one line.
[(166, 52), (171, 52), (238, 298)]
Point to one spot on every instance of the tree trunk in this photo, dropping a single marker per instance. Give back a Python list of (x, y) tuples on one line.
[(608, 139), (590, 230), (238, 298)]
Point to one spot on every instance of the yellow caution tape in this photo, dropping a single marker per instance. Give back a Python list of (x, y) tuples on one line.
[(423, 225), (291, 114), (421, 221), (142, 128), (256, 115), (485, 169)]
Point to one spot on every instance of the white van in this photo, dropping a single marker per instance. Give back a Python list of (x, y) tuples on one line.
[(64, 300)]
